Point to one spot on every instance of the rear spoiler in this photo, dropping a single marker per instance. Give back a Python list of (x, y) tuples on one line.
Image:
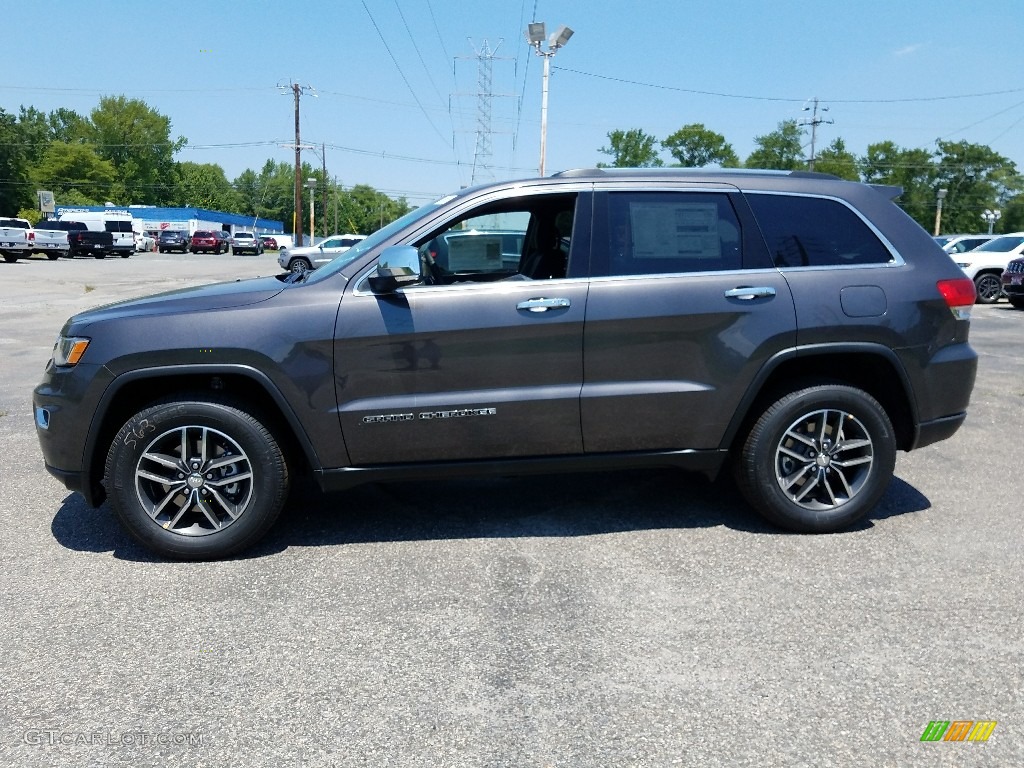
[(890, 191)]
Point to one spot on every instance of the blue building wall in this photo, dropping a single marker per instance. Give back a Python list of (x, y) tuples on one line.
[(154, 214)]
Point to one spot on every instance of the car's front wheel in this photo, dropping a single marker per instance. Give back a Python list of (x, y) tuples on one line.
[(818, 460), (299, 266), (989, 287), (196, 479)]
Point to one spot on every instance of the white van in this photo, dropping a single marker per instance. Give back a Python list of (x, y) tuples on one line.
[(117, 223)]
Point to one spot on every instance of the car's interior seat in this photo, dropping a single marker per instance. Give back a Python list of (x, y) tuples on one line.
[(547, 260)]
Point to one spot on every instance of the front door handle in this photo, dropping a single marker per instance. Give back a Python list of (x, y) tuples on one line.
[(542, 305), (746, 293)]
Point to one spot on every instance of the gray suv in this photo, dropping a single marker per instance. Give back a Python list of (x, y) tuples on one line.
[(797, 328)]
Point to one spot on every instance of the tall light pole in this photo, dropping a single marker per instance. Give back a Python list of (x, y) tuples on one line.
[(939, 197), (311, 183), (535, 35), (991, 217)]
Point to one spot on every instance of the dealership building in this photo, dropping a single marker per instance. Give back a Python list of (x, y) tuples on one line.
[(152, 220)]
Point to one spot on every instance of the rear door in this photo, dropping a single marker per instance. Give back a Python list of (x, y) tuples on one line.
[(684, 309)]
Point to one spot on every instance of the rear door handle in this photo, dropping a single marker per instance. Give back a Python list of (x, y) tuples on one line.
[(746, 293), (542, 305)]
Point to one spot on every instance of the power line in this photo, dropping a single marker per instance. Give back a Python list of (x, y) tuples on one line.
[(402, 74), (784, 98)]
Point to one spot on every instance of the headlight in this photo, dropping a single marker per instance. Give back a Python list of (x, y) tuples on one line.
[(963, 264), (69, 350)]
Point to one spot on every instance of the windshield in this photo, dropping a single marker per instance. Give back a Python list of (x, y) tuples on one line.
[(340, 261), (1001, 244)]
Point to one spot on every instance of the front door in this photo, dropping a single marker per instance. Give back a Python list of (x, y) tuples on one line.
[(484, 363)]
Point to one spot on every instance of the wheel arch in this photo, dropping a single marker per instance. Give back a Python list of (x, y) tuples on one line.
[(869, 367), (246, 387)]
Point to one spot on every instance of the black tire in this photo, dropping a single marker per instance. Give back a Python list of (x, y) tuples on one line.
[(161, 250), (299, 266), (125, 255), (818, 459), (100, 255), (1017, 302), (200, 512), (9, 258), (988, 287), (53, 256)]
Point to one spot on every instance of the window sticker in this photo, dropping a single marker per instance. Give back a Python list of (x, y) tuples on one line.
[(675, 231)]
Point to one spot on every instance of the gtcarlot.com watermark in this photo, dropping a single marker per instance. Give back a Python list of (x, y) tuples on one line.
[(107, 737)]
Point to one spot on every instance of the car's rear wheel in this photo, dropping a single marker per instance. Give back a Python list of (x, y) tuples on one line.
[(818, 460), (9, 258), (988, 287), (53, 256), (196, 479), (299, 266)]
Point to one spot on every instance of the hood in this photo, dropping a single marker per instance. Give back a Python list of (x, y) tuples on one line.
[(198, 299)]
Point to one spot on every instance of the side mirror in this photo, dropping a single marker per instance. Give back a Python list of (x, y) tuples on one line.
[(397, 267)]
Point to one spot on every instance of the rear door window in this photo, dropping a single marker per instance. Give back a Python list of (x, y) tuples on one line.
[(657, 233)]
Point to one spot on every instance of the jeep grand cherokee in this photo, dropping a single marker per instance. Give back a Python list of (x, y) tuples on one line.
[(802, 326)]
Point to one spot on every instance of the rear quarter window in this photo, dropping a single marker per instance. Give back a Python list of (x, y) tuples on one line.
[(815, 232)]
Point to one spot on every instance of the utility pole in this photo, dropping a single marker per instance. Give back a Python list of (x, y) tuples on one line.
[(297, 91), (814, 122), (323, 158)]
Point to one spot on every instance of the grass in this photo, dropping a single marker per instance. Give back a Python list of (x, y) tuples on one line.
[(89, 288)]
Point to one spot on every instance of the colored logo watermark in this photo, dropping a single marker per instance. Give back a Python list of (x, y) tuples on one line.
[(958, 730)]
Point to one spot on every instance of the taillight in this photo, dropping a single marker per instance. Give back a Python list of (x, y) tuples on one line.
[(959, 294), (31, 236)]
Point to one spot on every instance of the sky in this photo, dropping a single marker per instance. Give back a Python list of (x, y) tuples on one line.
[(391, 87)]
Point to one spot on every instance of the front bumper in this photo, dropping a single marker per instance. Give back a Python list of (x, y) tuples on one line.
[(63, 407)]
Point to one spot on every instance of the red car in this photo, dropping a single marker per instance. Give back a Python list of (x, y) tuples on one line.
[(204, 241), (269, 243)]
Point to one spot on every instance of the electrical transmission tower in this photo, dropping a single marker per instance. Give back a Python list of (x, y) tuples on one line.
[(814, 121), (482, 154)]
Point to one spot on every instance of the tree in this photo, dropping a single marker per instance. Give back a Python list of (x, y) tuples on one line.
[(269, 194), (911, 169), (779, 150), (975, 177), (363, 210), (15, 188), (204, 185), (631, 149), (694, 146), (836, 160), (137, 140), (1012, 215), (66, 167), (35, 133), (68, 126)]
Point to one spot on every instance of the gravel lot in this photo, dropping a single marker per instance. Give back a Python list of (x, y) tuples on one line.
[(634, 619)]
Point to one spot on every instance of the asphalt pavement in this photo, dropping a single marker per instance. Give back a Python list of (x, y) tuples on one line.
[(615, 619)]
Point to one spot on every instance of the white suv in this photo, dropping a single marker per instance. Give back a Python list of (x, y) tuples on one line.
[(300, 260), (986, 263)]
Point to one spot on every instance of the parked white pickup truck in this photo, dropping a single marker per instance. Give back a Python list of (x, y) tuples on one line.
[(51, 239), (16, 239)]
